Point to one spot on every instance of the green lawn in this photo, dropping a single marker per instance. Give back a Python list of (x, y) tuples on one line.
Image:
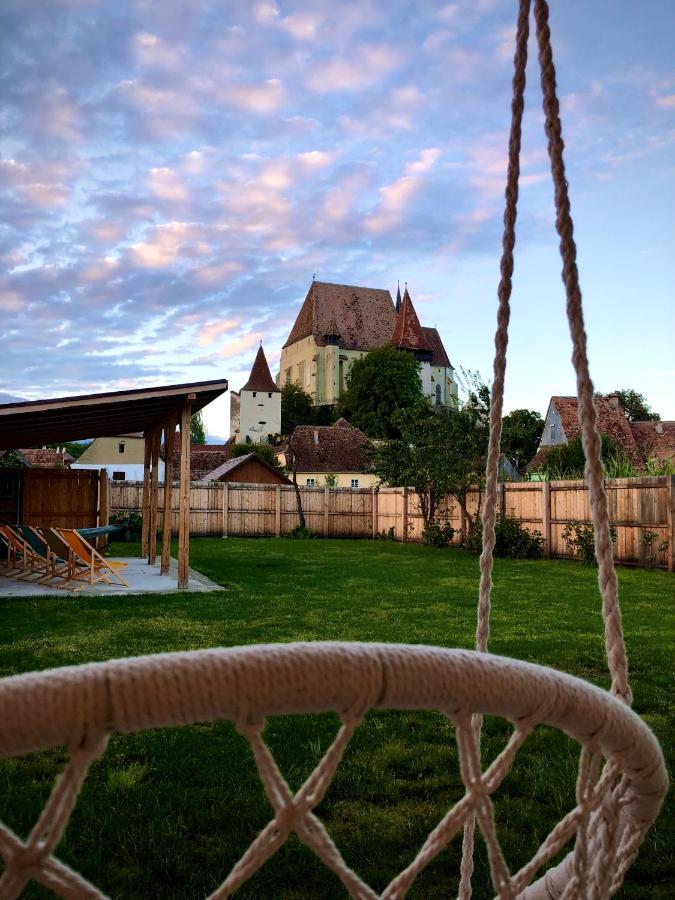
[(165, 814)]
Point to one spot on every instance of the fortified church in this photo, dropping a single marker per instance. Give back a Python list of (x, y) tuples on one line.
[(337, 324)]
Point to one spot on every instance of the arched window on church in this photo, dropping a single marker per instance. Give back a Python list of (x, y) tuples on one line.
[(438, 395)]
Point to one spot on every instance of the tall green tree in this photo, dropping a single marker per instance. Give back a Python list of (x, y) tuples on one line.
[(441, 450), (636, 407), (380, 384), (297, 408), (197, 430), (521, 433)]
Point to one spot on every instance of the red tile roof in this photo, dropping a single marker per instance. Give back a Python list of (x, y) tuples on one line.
[(204, 458), (408, 333), (363, 317), (655, 440), (260, 378), (330, 448), (433, 340), (47, 458), (611, 421)]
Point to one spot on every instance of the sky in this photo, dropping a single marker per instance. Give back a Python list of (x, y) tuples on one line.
[(172, 175)]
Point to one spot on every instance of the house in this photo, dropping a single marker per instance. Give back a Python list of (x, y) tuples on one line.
[(204, 458), (339, 323), (655, 440), (639, 441), (121, 456), (339, 450), (40, 458), (255, 410), (247, 469)]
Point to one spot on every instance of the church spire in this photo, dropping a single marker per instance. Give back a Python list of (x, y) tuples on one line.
[(408, 334), (260, 378), (398, 297)]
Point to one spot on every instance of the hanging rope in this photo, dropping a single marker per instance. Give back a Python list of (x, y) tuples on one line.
[(604, 551), (614, 643), (499, 370)]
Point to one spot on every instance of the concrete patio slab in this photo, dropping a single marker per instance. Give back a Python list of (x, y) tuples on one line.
[(142, 578)]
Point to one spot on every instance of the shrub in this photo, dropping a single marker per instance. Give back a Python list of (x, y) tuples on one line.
[(133, 524), (580, 540), (301, 534), (651, 547), (436, 535), (511, 539), (388, 535)]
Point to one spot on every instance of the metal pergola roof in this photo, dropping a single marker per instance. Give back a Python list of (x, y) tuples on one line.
[(37, 422)]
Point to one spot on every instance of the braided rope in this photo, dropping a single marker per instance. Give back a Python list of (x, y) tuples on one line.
[(614, 642), (499, 372)]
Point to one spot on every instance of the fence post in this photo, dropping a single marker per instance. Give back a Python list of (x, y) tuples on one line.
[(226, 507), (277, 511), (671, 523), (326, 504), (405, 514), (546, 516), (103, 504), (501, 497), (374, 512)]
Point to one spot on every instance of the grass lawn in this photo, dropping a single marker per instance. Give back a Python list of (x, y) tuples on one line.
[(165, 814)]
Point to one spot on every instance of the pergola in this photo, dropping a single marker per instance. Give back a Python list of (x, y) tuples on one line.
[(156, 412)]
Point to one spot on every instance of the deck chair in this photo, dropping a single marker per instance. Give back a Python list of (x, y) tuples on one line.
[(22, 561), (56, 566), (89, 566)]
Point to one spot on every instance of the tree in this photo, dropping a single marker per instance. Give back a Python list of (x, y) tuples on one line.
[(380, 384), (441, 450), (197, 431), (297, 408), (636, 407), (521, 432), (292, 461), (264, 451)]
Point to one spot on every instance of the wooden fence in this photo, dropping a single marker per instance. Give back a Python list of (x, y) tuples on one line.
[(637, 506)]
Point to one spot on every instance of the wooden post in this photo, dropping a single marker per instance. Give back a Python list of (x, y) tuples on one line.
[(103, 504), (226, 508), (154, 496), (169, 440), (546, 516), (145, 509), (405, 514), (671, 523), (501, 498), (277, 511), (375, 513), (326, 513), (184, 499)]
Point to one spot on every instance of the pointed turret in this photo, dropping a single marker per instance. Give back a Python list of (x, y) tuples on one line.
[(398, 297), (408, 333), (260, 378)]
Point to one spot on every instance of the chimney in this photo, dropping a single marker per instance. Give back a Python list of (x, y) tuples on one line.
[(658, 427), (316, 436), (613, 400)]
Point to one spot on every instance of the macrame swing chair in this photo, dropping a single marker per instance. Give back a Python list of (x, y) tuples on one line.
[(621, 780)]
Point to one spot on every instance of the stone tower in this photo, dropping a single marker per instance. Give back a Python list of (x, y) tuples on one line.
[(255, 411)]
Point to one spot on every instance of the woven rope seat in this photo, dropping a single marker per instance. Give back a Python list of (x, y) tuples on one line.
[(621, 780), (80, 706)]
